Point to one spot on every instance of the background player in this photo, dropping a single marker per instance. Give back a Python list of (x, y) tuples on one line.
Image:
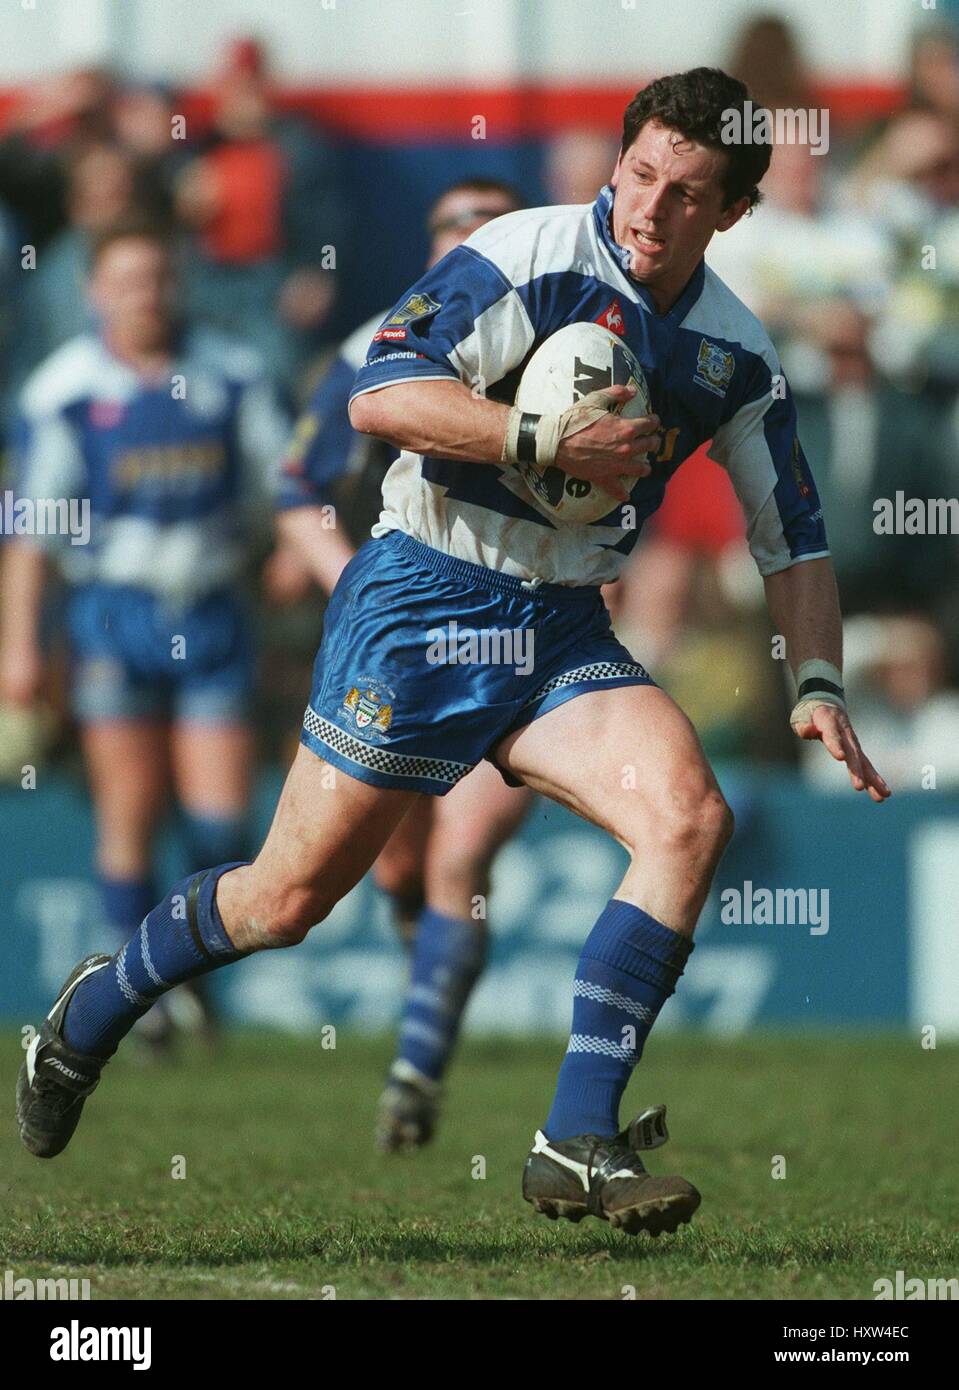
[(436, 865), (173, 434)]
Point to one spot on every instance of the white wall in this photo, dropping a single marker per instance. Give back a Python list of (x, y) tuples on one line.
[(442, 41)]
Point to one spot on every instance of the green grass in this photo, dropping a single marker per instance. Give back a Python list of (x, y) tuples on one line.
[(284, 1194)]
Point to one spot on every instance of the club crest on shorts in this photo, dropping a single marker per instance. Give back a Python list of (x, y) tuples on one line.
[(714, 368), (370, 708)]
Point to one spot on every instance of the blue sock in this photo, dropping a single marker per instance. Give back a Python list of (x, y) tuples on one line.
[(126, 901), (628, 969), (214, 839), (448, 958), (181, 938)]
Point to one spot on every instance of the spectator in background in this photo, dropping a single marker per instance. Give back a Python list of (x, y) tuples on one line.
[(799, 248), (895, 673), (577, 164), (53, 122), (934, 75), (869, 439), (143, 121), (266, 206), (100, 192), (909, 184), (10, 323), (767, 56), (910, 176)]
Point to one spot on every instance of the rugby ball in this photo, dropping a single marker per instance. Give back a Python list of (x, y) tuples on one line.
[(580, 358)]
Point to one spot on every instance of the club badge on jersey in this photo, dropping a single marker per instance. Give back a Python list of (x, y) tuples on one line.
[(714, 368)]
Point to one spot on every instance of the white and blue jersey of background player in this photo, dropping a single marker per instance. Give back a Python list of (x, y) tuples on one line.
[(328, 463), (469, 543), (179, 473)]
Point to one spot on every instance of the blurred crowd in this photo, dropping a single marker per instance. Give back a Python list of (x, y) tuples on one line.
[(256, 199), (852, 263)]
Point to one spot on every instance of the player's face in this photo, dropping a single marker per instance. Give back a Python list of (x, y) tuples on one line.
[(667, 205), (132, 291)]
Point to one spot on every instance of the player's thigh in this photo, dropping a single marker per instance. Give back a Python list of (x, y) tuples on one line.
[(327, 831), (472, 822), (212, 766), (127, 763), (627, 759), (478, 815)]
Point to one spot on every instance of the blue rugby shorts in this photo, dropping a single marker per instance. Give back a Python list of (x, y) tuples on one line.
[(427, 662)]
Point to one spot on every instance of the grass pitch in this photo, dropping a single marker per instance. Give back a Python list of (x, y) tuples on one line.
[(284, 1196)]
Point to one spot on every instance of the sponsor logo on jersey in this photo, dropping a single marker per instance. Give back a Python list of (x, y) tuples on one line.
[(714, 368), (612, 318), (374, 359), (171, 465), (418, 306), (369, 705), (390, 335)]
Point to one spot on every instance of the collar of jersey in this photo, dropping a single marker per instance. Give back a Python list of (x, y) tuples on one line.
[(602, 210)]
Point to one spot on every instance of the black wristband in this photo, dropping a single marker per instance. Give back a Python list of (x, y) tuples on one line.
[(526, 438), (817, 685)]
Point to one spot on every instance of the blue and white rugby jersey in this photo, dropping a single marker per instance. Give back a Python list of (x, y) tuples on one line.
[(178, 472), (712, 371)]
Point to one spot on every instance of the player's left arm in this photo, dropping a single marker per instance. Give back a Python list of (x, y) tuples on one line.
[(804, 606), (758, 444)]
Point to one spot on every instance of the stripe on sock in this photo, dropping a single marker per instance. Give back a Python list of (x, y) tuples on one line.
[(585, 989), (584, 1042)]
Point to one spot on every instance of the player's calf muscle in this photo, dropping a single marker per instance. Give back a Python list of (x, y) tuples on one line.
[(321, 843)]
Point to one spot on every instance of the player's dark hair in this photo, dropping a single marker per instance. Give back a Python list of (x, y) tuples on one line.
[(133, 228), (696, 103)]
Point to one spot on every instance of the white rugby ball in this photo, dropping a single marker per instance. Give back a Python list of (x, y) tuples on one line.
[(580, 358)]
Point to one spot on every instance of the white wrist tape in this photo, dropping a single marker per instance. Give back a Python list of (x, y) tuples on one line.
[(536, 438), (817, 683)]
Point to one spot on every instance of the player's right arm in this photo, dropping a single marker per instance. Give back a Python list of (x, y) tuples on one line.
[(448, 420), (46, 463), (463, 326)]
